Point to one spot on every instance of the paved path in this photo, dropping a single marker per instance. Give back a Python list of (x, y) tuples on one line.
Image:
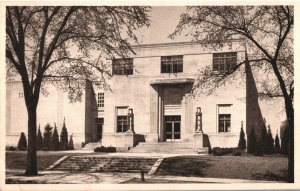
[(63, 177)]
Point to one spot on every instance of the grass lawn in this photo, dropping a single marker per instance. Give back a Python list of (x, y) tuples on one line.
[(272, 167), (249, 167), (17, 159)]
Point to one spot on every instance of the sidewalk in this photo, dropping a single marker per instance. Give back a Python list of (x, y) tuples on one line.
[(64, 177)]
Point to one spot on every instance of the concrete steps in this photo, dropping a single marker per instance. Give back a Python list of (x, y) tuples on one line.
[(106, 164), (164, 147)]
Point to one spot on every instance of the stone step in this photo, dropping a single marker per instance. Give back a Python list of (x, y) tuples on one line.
[(164, 147), (106, 164)]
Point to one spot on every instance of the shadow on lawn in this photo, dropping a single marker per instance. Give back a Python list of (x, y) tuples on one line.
[(182, 166), (271, 176)]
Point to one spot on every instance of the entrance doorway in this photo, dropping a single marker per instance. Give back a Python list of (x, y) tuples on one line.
[(172, 127), (99, 128)]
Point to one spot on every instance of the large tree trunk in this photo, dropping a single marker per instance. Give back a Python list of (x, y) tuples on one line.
[(290, 130), (31, 168)]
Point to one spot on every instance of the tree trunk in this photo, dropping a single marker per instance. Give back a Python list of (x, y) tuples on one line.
[(31, 168), (290, 128)]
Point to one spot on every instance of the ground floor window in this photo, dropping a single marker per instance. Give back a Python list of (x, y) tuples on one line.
[(122, 124), (223, 118), (122, 119), (224, 122)]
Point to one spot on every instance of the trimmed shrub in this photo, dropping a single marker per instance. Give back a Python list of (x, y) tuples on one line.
[(217, 151), (277, 144), (10, 148), (258, 149), (39, 140), (103, 149), (242, 140), (64, 137), (251, 142), (55, 140), (71, 144), (263, 141), (269, 147), (237, 152), (22, 144), (47, 137)]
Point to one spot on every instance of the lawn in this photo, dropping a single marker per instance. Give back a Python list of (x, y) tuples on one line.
[(17, 159), (273, 167)]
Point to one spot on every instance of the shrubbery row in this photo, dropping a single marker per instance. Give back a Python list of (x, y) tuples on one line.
[(103, 149), (49, 141)]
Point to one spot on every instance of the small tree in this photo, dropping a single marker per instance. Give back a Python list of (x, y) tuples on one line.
[(258, 149), (242, 141), (251, 142), (277, 144), (263, 141), (71, 144), (47, 137), (64, 137), (269, 149), (55, 139), (39, 139), (22, 144)]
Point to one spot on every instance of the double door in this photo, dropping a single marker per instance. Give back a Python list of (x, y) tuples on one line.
[(172, 127)]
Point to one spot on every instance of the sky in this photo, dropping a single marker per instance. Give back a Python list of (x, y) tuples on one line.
[(164, 20)]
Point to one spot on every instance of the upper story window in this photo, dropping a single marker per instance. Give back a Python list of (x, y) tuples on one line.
[(171, 64), (122, 66), (100, 100), (224, 61)]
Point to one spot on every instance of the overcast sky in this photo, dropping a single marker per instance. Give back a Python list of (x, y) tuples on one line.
[(163, 22)]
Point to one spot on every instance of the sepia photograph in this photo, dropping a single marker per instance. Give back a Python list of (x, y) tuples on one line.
[(144, 96)]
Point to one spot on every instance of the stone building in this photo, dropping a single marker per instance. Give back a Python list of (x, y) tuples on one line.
[(151, 101)]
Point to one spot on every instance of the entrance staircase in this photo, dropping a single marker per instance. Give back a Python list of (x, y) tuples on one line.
[(164, 147), (98, 163)]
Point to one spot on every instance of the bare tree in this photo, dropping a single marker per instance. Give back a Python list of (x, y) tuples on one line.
[(268, 34), (58, 43)]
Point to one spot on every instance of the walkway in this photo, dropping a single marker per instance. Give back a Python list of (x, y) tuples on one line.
[(63, 177)]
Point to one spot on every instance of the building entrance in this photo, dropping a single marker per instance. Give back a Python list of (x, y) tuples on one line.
[(99, 128), (172, 127)]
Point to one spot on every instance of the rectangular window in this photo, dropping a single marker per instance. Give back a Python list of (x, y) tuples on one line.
[(171, 64), (100, 100), (122, 124), (122, 119), (224, 118), (224, 122), (224, 61), (122, 66)]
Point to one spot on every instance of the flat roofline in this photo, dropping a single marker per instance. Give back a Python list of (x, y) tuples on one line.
[(178, 43)]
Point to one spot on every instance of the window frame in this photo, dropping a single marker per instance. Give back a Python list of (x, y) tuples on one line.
[(100, 100), (124, 123), (168, 64), (224, 61), (118, 115), (122, 67), (224, 120)]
